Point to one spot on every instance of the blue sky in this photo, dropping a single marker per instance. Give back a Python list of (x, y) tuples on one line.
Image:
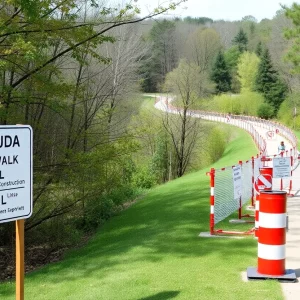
[(222, 9)]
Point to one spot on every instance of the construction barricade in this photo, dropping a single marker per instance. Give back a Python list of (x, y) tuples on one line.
[(272, 238), (263, 182), (231, 189)]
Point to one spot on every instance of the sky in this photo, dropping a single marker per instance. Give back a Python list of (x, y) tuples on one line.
[(231, 10)]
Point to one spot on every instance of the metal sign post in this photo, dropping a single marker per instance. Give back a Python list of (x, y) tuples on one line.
[(20, 259)]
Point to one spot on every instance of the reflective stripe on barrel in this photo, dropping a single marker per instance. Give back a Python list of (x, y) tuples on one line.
[(256, 224)]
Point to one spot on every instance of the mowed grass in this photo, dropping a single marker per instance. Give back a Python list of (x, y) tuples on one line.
[(152, 251)]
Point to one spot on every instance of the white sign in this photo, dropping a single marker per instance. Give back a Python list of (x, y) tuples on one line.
[(262, 182), (270, 135), (15, 172), (281, 167), (237, 181)]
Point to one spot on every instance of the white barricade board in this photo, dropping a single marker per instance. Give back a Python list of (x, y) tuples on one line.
[(281, 167), (15, 172)]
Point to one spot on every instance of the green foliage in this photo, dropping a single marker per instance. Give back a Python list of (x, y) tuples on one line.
[(221, 75), (216, 144), (250, 101), (247, 69), (269, 83), (241, 40), (144, 177), (293, 34), (245, 103), (288, 113), (99, 210), (259, 49), (232, 56), (160, 57), (184, 81), (198, 20), (202, 47), (265, 111), (160, 160)]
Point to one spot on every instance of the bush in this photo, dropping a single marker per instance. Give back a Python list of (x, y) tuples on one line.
[(265, 111), (289, 110), (144, 178), (246, 103), (97, 211), (216, 144)]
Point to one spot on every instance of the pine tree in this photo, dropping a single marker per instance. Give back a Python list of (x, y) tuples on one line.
[(221, 74), (241, 40), (269, 83), (259, 49)]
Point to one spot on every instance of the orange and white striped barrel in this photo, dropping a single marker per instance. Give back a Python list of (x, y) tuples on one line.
[(264, 182), (272, 232)]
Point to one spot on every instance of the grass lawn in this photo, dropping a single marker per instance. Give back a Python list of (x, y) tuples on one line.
[(152, 251)]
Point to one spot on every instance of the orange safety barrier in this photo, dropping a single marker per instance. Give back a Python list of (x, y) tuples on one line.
[(272, 238)]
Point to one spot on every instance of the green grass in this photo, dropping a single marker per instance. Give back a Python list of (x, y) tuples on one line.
[(148, 102), (152, 251)]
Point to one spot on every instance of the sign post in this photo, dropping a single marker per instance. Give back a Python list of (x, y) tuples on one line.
[(20, 259), (16, 188)]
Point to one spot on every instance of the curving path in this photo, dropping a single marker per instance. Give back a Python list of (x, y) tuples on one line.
[(291, 291)]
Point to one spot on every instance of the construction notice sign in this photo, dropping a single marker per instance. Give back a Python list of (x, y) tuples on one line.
[(237, 181), (15, 172), (281, 167)]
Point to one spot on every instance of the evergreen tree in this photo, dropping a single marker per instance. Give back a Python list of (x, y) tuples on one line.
[(241, 40), (259, 49), (269, 83), (162, 57), (221, 74)]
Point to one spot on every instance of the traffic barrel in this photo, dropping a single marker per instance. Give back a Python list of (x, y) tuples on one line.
[(266, 171), (264, 183), (272, 233)]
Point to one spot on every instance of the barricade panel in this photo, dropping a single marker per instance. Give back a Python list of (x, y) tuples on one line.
[(246, 181), (225, 204)]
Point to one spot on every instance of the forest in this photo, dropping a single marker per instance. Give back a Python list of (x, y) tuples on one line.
[(83, 74)]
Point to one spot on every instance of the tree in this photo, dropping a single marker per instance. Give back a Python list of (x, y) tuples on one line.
[(259, 49), (57, 74), (221, 75), (247, 70), (241, 40), (227, 31), (279, 46), (293, 34), (183, 82), (269, 83), (198, 20), (202, 47), (162, 56)]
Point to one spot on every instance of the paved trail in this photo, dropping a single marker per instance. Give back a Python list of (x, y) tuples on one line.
[(291, 290)]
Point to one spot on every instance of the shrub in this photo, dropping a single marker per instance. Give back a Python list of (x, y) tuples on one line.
[(265, 111), (144, 178), (216, 144)]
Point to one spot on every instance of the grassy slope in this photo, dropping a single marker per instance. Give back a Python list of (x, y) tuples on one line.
[(152, 251)]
